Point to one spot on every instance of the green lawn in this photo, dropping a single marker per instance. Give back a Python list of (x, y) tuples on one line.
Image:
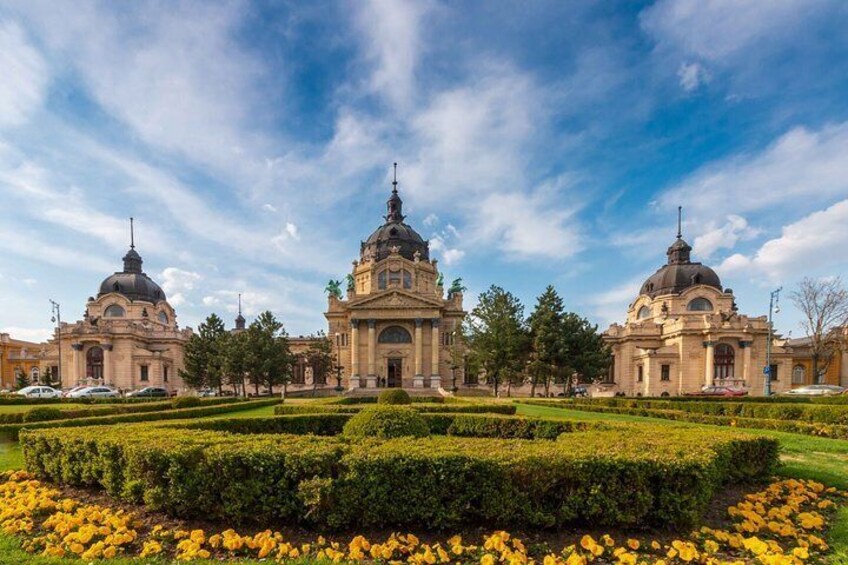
[(18, 408)]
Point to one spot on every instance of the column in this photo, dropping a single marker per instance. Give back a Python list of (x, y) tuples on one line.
[(108, 377), (709, 369), (354, 354), (76, 374), (371, 379), (746, 361), (418, 381), (435, 375), (646, 373)]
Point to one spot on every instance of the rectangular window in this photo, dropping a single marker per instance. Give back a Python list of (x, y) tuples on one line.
[(165, 373), (773, 372), (665, 372), (144, 374), (639, 374)]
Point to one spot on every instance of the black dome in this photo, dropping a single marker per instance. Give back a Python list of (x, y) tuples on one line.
[(395, 233), (680, 273), (132, 282)]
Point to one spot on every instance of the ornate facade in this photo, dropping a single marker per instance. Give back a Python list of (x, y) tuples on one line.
[(684, 332), (128, 337), (395, 327), (20, 357)]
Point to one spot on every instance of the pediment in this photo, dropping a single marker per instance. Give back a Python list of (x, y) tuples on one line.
[(395, 299)]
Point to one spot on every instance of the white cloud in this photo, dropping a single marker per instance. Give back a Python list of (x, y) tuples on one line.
[(611, 305), (25, 76), (269, 208), (722, 237), (38, 335), (816, 241), (211, 301), (431, 220), (292, 230), (177, 284), (692, 75), (30, 282), (390, 30), (447, 254), (801, 168)]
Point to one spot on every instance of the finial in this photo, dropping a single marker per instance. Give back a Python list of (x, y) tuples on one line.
[(132, 235), (239, 304), (679, 222), (394, 182)]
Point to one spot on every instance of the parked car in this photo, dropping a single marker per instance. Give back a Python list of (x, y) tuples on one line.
[(94, 392), (718, 391), (816, 390), (207, 392), (149, 392), (66, 393), (39, 391), (579, 391)]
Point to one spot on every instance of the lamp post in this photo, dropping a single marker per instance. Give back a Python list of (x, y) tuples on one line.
[(774, 308), (57, 319)]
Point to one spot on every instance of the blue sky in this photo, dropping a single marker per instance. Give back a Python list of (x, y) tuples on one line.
[(538, 143)]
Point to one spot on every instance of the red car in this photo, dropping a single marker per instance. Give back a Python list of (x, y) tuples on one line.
[(718, 391)]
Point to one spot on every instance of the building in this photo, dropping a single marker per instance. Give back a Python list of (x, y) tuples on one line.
[(835, 371), (20, 357), (395, 326), (684, 332), (128, 337)]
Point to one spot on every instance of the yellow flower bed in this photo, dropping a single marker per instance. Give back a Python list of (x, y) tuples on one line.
[(781, 525)]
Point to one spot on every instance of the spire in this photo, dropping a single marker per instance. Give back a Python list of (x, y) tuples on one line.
[(394, 206), (132, 260), (239, 318), (680, 222)]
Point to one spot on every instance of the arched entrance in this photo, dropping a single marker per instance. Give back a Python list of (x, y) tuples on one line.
[(94, 364)]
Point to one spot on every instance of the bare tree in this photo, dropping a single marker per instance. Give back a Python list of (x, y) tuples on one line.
[(824, 304)]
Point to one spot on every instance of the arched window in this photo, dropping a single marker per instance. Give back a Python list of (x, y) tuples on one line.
[(644, 312), (115, 311), (407, 279), (700, 305), (34, 373), (394, 334), (723, 361), (163, 317), (381, 280), (799, 375), (94, 363)]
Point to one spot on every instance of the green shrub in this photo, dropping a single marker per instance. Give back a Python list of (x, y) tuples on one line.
[(43, 413), (623, 477), (186, 402), (384, 422), (394, 396), (437, 408)]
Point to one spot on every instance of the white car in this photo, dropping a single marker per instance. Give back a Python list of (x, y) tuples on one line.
[(38, 391), (94, 392), (68, 392), (815, 390)]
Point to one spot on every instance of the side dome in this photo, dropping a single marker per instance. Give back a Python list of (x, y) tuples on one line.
[(394, 233), (680, 273), (132, 282)]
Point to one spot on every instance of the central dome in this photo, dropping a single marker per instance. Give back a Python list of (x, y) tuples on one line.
[(680, 273), (395, 234), (132, 282)]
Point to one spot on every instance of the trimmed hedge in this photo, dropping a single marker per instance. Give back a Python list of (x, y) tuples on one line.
[(605, 478), (804, 412), (317, 408), (57, 412), (147, 416), (385, 422), (352, 400), (394, 396), (792, 426)]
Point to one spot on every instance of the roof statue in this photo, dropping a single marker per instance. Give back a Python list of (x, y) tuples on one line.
[(456, 287), (441, 280), (334, 288), (351, 283)]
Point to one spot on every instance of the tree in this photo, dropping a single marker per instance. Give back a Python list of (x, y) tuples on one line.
[(21, 379), (269, 360), (497, 335), (235, 362), (48, 378), (548, 340), (587, 356), (204, 355), (320, 358), (824, 306)]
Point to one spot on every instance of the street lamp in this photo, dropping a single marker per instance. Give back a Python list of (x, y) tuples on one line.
[(774, 308), (57, 319)]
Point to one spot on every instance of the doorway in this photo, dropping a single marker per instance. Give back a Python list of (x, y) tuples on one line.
[(394, 374)]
